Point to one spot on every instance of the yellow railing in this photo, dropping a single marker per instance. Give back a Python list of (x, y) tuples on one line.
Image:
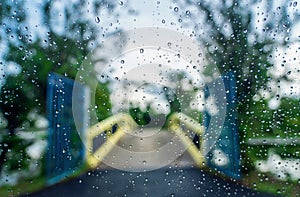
[(179, 123), (124, 123), (179, 120)]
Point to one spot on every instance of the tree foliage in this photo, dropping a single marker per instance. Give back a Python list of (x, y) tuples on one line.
[(241, 37), (35, 55)]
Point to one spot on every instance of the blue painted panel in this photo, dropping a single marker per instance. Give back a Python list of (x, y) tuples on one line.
[(65, 153), (225, 155)]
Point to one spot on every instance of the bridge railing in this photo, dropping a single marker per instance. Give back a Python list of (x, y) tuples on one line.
[(186, 128), (110, 130), (114, 127)]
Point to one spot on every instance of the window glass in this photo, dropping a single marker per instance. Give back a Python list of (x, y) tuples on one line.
[(173, 97)]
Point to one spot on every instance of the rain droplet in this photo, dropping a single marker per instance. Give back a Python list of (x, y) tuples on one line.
[(295, 3), (121, 3), (122, 61), (163, 21), (176, 9), (97, 19), (141, 50)]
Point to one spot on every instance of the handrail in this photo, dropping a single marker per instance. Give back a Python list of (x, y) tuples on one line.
[(175, 121), (125, 123)]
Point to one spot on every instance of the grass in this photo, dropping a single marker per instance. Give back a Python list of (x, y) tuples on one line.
[(23, 187), (267, 183), (27, 186)]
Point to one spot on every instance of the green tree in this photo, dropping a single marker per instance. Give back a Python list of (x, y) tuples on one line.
[(60, 52), (241, 37), (237, 41)]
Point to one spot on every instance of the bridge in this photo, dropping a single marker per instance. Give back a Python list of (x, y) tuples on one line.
[(125, 159), (115, 172)]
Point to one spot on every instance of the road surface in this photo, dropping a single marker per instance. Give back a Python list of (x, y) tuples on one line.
[(128, 170), (161, 182)]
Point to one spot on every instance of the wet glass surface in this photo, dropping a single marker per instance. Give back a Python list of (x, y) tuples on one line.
[(157, 98)]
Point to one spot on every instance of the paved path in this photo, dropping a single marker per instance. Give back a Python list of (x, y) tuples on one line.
[(147, 164), (162, 182), (148, 150)]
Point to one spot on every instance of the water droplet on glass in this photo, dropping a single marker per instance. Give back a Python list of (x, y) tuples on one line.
[(97, 19), (141, 50), (122, 61), (176, 9), (295, 3)]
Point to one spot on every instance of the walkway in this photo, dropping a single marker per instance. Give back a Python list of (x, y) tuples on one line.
[(162, 182), (148, 149), (178, 178)]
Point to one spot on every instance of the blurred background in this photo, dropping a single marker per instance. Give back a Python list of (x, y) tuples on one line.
[(257, 41)]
